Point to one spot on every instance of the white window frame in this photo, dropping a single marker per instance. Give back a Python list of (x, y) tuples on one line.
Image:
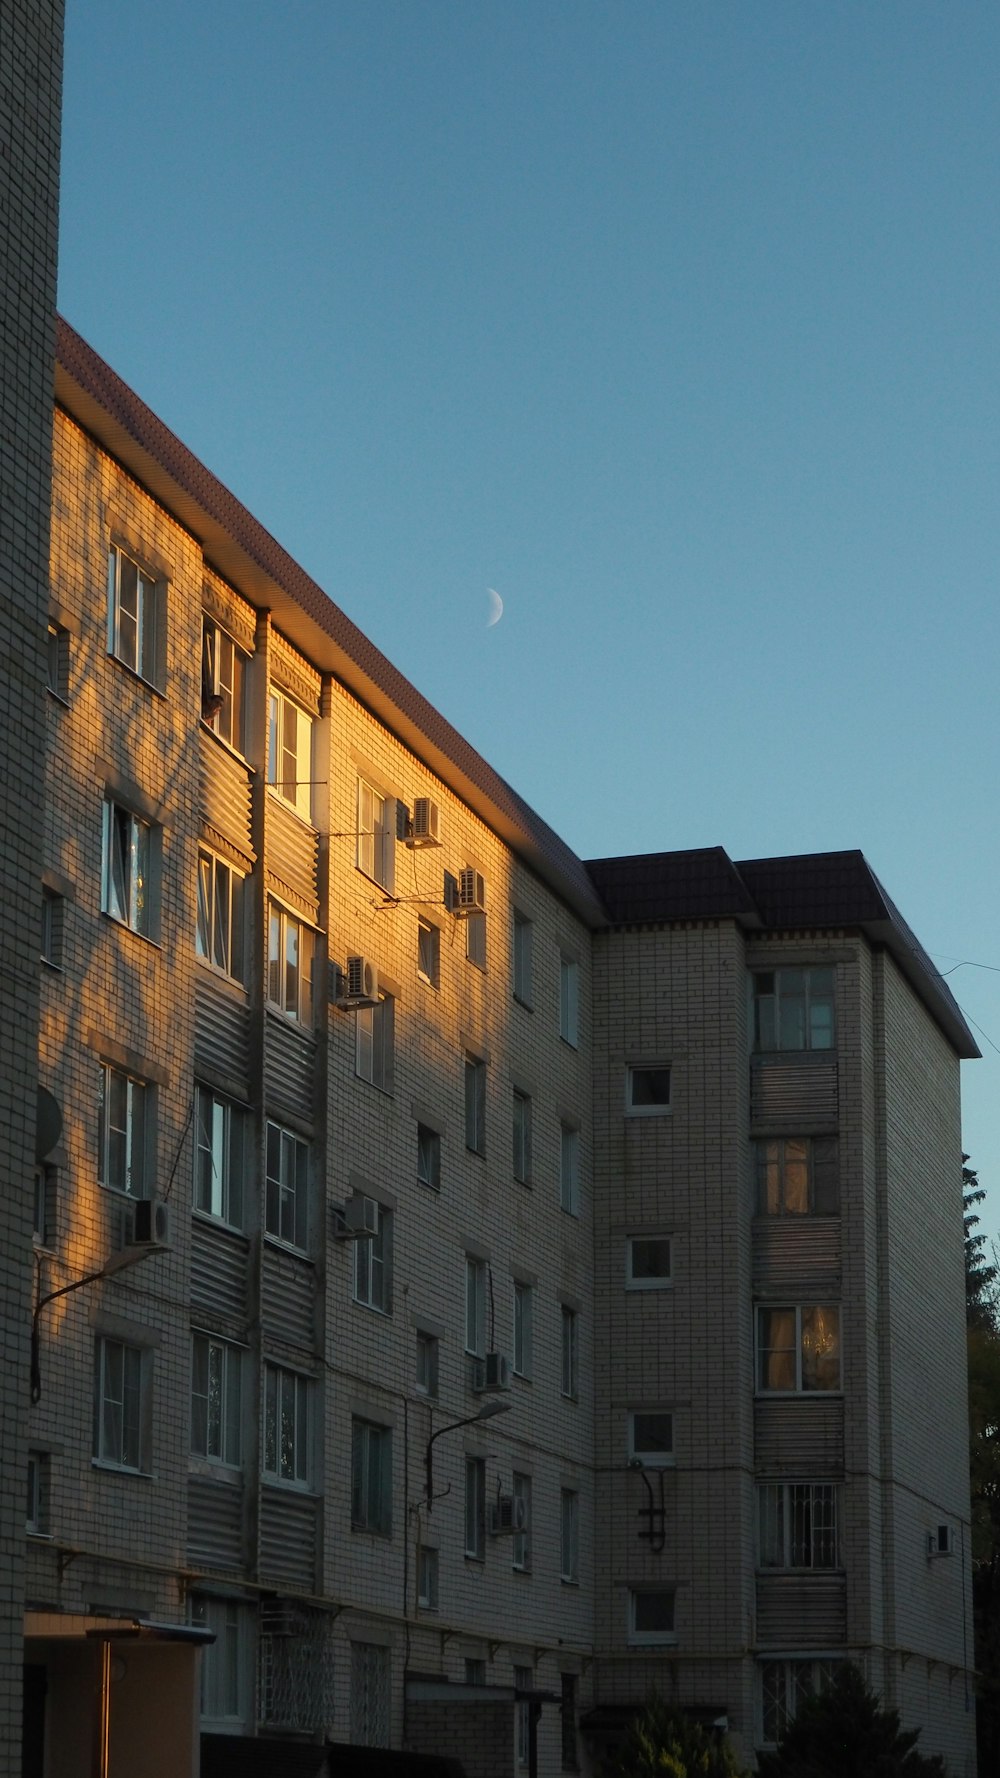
[(520, 1554), (220, 927), (216, 1400), (816, 1159), (290, 977), (376, 835), (523, 1318), (798, 1527), (374, 1041), (37, 1505), (428, 1577), (134, 635), (475, 1508), (805, 1332), (121, 1405), (816, 1003), (475, 1306), (522, 946), (429, 1157), (226, 1690), (221, 1141), (223, 676), (287, 1403), (636, 1104), (570, 1353), (373, 1263), (521, 1145), (651, 1456), (290, 750), (427, 1364), (286, 1187), (797, 1679), (569, 1000), (569, 1536), (371, 1476), (429, 953), (475, 939), (648, 1280), (475, 1103), (651, 1638), (129, 869), (569, 1168), (131, 1136)]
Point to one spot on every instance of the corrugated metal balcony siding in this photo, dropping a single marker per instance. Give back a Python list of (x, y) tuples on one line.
[(797, 1257), (801, 1610), (219, 1270), (793, 1093), (216, 1524), (288, 1538), (799, 1437), (225, 793)]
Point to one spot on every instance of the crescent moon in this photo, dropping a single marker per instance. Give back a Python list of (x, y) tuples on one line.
[(496, 607)]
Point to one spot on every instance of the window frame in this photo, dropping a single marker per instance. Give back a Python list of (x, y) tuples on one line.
[(820, 1162), (223, 675), (427, 1359), (634, 1072), (475, 1103), (570, 1353), (283, 749), (569, 1000), (520, 1553), (475, 939), (475, 1508), (222, 1395), (762, 1350), (651, 1638), (130, 868), (226, 1664), (297, 1471), (818, 1010), (569, 1167), (37, 1520), (429, 1157), (128, 1450), (648, 1280), (373, 1264), (371, 1476), (375, 854), (374, 1043), (134, 639), (428, 1577), (220, 926), (475, 1306), (522, 1324), (648, 1455), (797, 1522), (522, 961), (57, 660), (287, 1204), (428, 953), (290, 986), (521, 1110), (569, 1536), (53, 928), (222, 1161), (137, 1150)]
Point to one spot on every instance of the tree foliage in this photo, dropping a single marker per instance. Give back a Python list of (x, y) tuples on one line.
[(663, 1743), (980, 1273), (843, 1732), (983, 1332)]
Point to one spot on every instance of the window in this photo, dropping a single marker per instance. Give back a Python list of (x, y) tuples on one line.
[(225, 1663), (793, 1010), (427, 1364), (428, 1157), (121, 1434), (569, 1758), (521, 1545), (475, 1306), (290, 947), (475, 1508), (475, 1671), (569, 1000), (216, 1400), (569, 1169), (570, 1352), (651, 1437), (569, 1534), (522, 945), (44, 1204), (373, 1043), (122, 1132), (522, 1137), (428, 953), (286, 1426), (784, 1687), (647, 1090), (376, 839), (522, 1329), (798, 1176), (427, 1578), (57, 661), (220, 1157), (370, 1694), (798, 1350), (371, 1477), (53, 915), (651, 1615), (475, 1104), (219, 937), (524, 1681), (133, 616), (373, 1263), (126, 884), (289, 753), (797, 1524), (475, 939), (648, 1261), (223, 669), (37, 1514), (286, 1195)]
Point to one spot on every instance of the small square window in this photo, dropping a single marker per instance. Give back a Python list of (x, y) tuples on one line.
[(427, 1579), (651, 1437), (648, 1262), (647, 1089), (134, 611), (427, 1365), (651, 1616), (429, 953), (429, 1157)]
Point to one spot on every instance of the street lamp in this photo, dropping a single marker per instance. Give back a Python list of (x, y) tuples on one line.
[(488, 1411)]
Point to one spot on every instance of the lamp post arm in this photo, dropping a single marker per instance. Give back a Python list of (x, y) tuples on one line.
[(452, 1426), (43, 1303)]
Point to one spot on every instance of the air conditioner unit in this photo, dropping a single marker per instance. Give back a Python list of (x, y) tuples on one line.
[(471, 897), (506, 1515), (150, 1223), (425, 827), (361, 1215), (941, 1541), (357, 986), (491, 1373)]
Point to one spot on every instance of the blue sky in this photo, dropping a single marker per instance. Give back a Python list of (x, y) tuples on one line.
[(674, 323)]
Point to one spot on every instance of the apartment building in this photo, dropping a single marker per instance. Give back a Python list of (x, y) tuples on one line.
[(472, 1287)]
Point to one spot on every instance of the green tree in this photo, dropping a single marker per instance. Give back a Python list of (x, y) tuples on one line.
[(983, 1336), (663, 1743), (980, 1274), (843, 1732)]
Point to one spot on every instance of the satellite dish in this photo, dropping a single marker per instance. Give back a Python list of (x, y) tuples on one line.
[(48, 1124)]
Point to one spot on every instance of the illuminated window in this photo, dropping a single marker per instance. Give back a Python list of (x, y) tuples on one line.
[(798, 1350)]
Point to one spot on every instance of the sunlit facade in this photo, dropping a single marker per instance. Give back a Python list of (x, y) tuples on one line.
[(513, 1280)]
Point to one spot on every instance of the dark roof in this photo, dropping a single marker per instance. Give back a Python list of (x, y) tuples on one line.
[(656, 886), (246, 554)]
